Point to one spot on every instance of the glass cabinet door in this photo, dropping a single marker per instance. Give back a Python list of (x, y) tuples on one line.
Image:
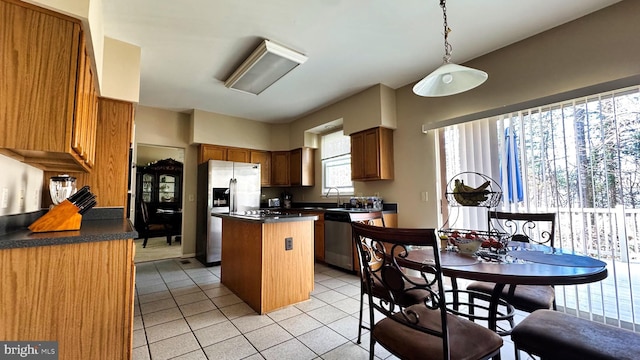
[(167, 187), (147, 187)]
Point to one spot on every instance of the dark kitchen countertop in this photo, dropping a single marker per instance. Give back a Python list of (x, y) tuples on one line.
[(269, 218), (387, 208), (97, 225)]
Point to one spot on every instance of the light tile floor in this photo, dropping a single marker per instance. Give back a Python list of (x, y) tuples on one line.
[(182, 311)]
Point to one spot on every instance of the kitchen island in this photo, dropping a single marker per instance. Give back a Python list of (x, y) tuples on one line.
[(267, 260)]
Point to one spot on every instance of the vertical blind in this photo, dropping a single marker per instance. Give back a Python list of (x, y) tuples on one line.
[(579, 159)]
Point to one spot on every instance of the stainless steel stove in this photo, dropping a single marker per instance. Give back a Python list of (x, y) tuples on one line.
[(260, 212)]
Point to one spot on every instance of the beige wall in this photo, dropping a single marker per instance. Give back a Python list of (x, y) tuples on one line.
[(168, 128), (212, 128), (372, 107), (121, 70)]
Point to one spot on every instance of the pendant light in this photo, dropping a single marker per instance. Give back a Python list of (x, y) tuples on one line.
[(449, 78)]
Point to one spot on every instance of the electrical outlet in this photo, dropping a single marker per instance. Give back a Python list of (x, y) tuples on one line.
[(191, 198), (5, 198), (288, 243), (21, 198)]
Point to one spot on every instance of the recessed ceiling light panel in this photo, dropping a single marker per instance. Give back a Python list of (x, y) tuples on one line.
[(266, 64)]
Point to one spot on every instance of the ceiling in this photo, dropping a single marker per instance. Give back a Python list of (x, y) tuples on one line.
[(190, 47)]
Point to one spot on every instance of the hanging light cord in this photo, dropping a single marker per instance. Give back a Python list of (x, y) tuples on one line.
[(447, 47)]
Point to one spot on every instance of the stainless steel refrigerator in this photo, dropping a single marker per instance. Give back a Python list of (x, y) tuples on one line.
[(223, 187)]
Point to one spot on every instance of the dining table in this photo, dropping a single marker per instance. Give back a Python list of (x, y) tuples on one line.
[(172, 219), (518, 264)]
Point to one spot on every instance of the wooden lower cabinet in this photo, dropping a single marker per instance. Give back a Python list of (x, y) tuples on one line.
[(390, 220), (80, 295)]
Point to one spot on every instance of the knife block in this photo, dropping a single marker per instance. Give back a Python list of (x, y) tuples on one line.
[(62, 217)]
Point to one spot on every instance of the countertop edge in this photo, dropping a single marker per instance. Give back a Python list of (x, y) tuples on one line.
[(90, 231), (268, 219), (387, 208)]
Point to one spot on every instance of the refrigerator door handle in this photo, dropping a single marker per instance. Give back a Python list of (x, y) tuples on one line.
[(233, 206)]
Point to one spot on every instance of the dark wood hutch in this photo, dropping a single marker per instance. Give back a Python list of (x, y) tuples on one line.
[(159, 185)]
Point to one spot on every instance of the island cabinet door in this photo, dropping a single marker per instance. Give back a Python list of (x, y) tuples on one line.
[(282, 286)]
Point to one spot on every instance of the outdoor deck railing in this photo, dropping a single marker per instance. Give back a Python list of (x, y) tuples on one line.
[(612, 235), (607, 234)]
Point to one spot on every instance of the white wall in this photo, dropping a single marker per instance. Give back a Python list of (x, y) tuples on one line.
[(23, 184)]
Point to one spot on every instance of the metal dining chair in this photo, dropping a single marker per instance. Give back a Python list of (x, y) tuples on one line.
[(523, 227), (422, 330), (375, 218), (557, 335)]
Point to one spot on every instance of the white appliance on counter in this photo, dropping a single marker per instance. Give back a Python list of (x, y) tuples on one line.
[(223, 187)]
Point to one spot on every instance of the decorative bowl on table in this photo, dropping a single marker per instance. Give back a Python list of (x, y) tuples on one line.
[(466, 241), (470, 241), (467, 246)]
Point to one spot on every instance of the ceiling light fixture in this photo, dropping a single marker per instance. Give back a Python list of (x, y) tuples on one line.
[(449, 78), (266, 64)]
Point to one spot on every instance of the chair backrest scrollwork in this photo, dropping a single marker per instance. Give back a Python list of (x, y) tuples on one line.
[(525, 227), (382, 252)]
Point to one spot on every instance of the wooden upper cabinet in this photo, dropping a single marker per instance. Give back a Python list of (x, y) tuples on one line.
[(357, 156), (264, 159), (225, 153), (83, 139), (302, 171), (211, 152), (110, 177), (280, 165), (48, 105), (372, 155), (277, 168), (238, 155)]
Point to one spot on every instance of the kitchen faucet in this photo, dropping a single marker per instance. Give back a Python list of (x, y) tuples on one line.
[(338, 198)]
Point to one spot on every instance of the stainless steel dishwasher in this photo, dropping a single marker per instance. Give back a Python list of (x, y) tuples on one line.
[(338, 249)]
